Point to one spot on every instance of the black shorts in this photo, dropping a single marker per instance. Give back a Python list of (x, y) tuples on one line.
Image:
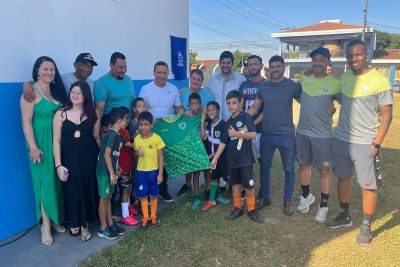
[(218, 173), (242, 175)]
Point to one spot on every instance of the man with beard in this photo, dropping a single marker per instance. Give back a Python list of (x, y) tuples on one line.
[(114, 89), (277, 130), (366, 100), (224, 81)]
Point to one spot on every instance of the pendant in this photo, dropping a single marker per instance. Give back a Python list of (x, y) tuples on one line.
[(77, 134)]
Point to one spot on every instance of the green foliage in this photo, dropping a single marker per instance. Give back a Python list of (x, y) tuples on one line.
[(192, 58), (386, 40), (240, 57)]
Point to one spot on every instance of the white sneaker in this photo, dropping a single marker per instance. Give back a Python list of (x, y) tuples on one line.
[(321, 214), (305, 203)]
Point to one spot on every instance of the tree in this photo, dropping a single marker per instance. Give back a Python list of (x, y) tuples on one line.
[(239, 57), (386, 40), (192, 58)]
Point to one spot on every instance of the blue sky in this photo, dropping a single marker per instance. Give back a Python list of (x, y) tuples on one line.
[(217, 25)]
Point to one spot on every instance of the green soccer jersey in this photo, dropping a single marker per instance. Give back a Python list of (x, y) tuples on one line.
[(184, 151)]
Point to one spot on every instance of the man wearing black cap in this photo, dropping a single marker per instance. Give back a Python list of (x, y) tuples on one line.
[(83, 64), (314, 131)]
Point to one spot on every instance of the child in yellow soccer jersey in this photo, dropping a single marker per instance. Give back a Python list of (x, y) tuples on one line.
[(149, 172)]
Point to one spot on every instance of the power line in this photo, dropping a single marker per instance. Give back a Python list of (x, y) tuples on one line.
[(264, 13)]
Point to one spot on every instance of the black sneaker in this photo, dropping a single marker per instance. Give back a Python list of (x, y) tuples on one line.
[(235, 214), (184, 190), (365, 235), (261, 203), (117, 229), (164, 195), (255, 216), (342, 220)]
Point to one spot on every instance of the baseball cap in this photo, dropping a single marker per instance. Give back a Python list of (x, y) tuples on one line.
[(322, 51), (85, 57)]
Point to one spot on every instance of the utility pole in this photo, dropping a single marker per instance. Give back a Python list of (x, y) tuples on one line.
[(365, 20)]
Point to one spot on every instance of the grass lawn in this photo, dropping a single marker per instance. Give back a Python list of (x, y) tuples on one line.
[(187, 238)]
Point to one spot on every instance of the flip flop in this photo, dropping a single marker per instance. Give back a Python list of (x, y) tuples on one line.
[(86, 235), (75, 231)]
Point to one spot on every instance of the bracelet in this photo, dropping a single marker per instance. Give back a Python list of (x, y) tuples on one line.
[(58, 166)]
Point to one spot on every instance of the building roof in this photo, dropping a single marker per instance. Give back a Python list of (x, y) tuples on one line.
[(326, 25), (204, 63), (387, 54)]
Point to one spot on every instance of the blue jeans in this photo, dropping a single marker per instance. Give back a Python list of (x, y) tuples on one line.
[(285, 143)]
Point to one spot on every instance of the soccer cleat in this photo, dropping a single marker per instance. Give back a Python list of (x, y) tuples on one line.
[(129, 221), (321, 215), (342, 220), (305, 203), (365, 235), (261, 203), (220, 199), (117, 229), (184, 190), (208, 205), (107, 233), (196, 204), (236, 213), (164, 195), (255, 216)]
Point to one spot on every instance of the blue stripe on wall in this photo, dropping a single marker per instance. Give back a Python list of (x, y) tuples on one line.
[(16, 190)]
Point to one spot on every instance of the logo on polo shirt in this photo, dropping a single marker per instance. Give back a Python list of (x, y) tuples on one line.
[(364, 88), (239, 124), (217, 134), (182, 125)]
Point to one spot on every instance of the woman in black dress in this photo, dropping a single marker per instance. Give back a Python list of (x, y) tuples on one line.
[(76, 142)]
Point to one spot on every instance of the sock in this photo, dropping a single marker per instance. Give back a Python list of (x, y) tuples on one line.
[(367, 218), (124, 209), (145, 208), (305, 190), (237, 201), (153, 206), (344, 208), (213, 191), (324, 200), (250, 201)]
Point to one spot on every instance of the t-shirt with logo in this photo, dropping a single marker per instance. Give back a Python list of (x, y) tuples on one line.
[(239, 155), (184, 151), (214, 133), (249, 91), (150, 147), (278, 106), (115, 93), (362, 95), (316, 100), (113, 140)]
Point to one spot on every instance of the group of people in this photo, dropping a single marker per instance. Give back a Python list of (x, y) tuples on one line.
[(84, 137)]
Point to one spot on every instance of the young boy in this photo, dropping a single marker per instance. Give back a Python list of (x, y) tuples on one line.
[(138, 106), (149, 172), (237, 140), (214, 127), (126, 166), (106, 172)]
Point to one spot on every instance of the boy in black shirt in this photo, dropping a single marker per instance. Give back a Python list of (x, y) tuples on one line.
[(237, 139)]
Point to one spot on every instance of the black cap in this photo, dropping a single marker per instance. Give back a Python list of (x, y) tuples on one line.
[(322, 51), (85, 57)]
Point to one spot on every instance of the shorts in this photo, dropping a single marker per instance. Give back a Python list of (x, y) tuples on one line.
[(125, 179), (218, 173), (105, 186), (314, 150), (256, 145), (348, 156), (242, 175), (146, 183)]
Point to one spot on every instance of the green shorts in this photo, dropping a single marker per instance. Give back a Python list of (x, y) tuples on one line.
[(105, 186)]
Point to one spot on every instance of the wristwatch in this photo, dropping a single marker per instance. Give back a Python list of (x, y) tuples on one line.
[(377, 146)]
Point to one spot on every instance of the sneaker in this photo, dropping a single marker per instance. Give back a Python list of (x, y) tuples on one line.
[(117, 229), (342, 220), (222, 200), (132, 210), (184, 190), (164, 195), (261, 203), (321, 214), (129, 221), (255, 216), (107, 233), (196, 204), (365, 235), (288, 208), (235, 214), (208, 205), (305, 203)]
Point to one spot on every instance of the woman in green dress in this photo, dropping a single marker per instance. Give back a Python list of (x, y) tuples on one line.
[(37, 123)]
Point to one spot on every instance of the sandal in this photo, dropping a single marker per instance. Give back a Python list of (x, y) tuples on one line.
[(86, 235), (47, 239), (74, 231)]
